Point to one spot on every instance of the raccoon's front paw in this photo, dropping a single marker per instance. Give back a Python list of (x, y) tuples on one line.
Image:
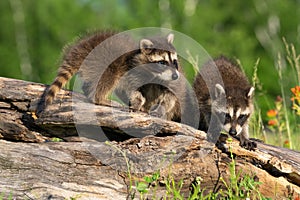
[(137, 101), (248, 144), (221, 143), (157, 111)]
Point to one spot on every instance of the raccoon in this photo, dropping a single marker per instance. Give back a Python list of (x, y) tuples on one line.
[(102, 62), (228, 100)]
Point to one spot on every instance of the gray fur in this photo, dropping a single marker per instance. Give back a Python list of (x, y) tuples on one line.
[(222, 89), (107, 61)]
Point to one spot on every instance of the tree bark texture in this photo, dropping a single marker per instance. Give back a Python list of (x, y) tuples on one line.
[(84, 166)]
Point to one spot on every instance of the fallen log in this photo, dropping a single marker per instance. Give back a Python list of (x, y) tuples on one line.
[(19, 99), (87, 167)]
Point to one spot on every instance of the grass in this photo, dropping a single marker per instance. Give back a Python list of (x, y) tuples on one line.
[(239, 186), (5, 197), (280, 125), (130, 192)]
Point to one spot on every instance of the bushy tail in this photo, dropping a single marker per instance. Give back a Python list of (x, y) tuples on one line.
[(74, 55), (64, 74)]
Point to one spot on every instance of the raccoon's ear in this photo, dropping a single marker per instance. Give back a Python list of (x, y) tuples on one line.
[(170, 38), (146, 45), (219, 91), (250, 92)]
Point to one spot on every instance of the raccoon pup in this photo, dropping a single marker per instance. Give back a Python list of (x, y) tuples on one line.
[(228, 101), (101, 59)]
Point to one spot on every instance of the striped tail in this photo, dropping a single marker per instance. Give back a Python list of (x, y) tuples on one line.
[(64, 74)]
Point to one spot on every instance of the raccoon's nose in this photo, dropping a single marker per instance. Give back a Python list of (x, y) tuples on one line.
[(174, 76), (232, 131)]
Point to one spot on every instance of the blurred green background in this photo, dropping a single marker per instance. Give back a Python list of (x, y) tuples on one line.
[(34, 32)]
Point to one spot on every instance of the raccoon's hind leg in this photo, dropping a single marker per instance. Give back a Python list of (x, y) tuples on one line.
[(100, 91)]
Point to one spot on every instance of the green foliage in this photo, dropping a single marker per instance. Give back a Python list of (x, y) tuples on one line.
[(55, 139), (242, 29), (74, 198), (35, 33), (174, 189), (3, 196), (144, 186), (240, 187), (131, 193), (282, 119)]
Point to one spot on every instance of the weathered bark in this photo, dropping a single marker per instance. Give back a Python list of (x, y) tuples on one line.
[(94, 169), (19, 99)]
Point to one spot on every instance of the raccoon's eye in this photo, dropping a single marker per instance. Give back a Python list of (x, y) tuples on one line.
[(242, 119), (162, 62), (227, 118), (175, 63)]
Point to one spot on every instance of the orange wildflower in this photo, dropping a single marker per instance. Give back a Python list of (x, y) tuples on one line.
[(296, 92), (286, 143), (272, 113), (272, 122), (297, 198)]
